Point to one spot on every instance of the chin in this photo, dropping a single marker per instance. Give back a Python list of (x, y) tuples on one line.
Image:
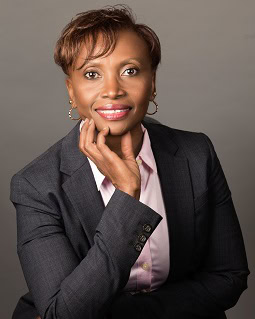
[(118, 131), (118, 128)]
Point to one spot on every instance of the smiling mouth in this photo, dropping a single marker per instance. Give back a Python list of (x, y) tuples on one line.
[(117, 114)]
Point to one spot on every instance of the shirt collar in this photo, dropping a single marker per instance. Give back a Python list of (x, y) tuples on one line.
[(145, 154)]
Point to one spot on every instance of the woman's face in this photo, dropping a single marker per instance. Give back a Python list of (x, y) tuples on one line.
[(123, 77)]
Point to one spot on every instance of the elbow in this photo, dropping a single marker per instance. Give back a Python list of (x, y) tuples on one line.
[(53, 308), (225, 287), (241, 281), (238, 285)]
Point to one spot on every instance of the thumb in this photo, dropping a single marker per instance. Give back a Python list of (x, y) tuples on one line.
[(127, 146)]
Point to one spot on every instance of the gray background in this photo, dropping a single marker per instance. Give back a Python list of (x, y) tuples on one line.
[(205, 84)]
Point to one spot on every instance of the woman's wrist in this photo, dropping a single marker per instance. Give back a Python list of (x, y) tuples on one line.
[(134, 191)]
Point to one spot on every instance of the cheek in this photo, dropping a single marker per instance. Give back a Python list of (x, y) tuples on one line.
[(145, 88), (143, 93), (84, 98)]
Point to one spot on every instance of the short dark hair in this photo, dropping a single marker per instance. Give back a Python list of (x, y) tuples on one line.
[(107, 21)]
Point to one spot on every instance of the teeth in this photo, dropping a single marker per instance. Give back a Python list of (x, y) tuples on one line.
[(112, 111)]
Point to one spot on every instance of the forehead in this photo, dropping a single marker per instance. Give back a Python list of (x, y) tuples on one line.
[(128, 45)]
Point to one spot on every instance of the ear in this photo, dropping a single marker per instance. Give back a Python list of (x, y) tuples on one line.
[(69, 87), (153, 85)]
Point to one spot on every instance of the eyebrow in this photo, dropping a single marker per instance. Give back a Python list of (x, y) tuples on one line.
[(124, 62)]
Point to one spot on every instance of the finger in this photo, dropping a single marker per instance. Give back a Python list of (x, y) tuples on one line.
[(83, 134), (90, 133), (86, 147), (127, 146), (101, 136), (103, 148)]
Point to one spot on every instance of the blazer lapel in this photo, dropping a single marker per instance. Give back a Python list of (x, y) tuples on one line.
[(177, 192), (81, 187)]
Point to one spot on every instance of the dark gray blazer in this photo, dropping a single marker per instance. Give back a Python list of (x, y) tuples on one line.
[(76, 254)]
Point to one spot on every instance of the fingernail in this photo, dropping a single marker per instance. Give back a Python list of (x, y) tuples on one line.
[(90, 121), (86, 119), (105, 128)]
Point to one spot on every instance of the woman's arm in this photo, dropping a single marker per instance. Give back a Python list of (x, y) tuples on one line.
[(63, 286)]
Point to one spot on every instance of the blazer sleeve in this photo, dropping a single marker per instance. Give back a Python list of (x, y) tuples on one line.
[(218, 283), (62, 286)]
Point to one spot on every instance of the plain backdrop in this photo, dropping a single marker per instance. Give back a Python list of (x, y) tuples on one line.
[(204, 84)]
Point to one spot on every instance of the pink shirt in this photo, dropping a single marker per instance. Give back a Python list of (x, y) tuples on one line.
[(152, 266)]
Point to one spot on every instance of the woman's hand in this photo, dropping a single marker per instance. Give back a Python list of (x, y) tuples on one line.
[(123, 173)]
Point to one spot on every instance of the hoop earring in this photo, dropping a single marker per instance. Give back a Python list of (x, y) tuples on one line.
[(70, 112), (156, 104)]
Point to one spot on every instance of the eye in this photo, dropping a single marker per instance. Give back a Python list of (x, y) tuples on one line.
[(90, 75), (131, 71)]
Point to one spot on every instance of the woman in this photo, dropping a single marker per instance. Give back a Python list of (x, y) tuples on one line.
[(123, 218)]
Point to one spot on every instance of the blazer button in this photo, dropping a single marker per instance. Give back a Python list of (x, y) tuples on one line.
[(147, 228), (138, 247), (142, 238)]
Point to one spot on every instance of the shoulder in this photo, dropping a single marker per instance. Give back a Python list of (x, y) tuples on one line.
[(40, 163), (192, 142), (187, 142), (44, 171), (36, 175)]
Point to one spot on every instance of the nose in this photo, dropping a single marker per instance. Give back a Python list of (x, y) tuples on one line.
[(112, 89)]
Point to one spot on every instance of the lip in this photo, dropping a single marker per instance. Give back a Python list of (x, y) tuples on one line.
[(113, 107)]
